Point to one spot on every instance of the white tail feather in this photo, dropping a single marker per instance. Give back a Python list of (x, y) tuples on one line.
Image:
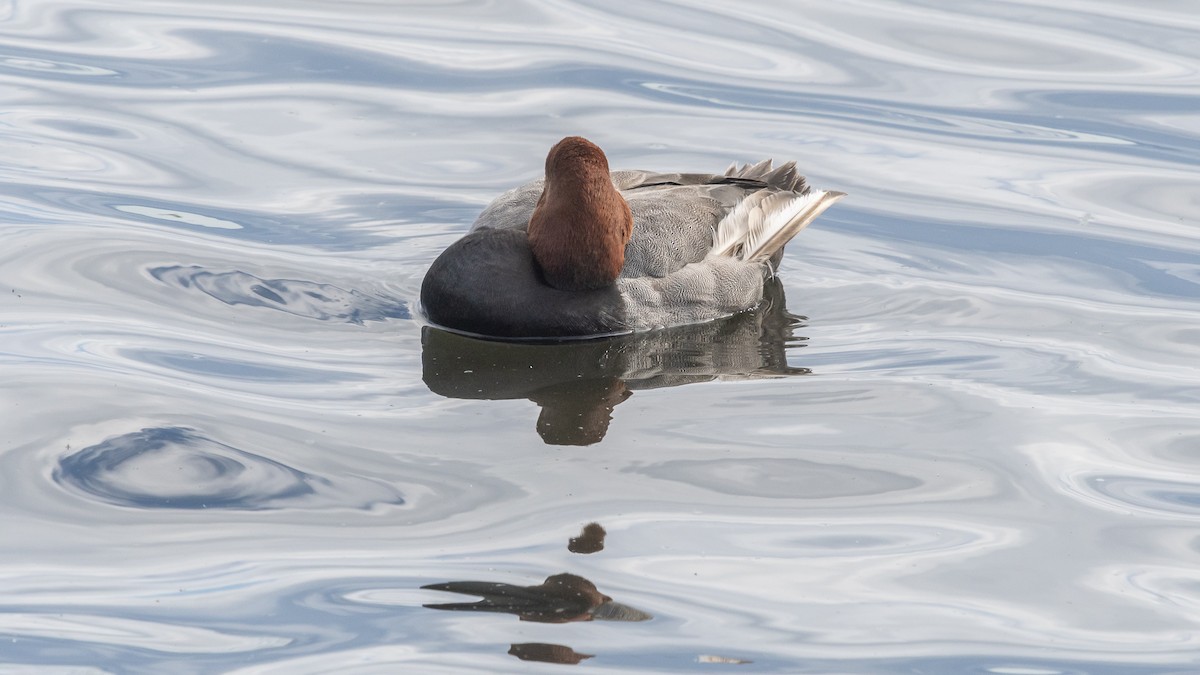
[(765, 222), (731, 231)]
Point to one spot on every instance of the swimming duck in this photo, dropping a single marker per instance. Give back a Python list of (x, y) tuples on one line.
[(589, 252)]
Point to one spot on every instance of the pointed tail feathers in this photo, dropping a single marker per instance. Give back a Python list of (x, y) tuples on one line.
[(785, 177), (764, 222)]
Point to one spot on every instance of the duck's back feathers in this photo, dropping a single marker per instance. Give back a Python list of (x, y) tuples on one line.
[(697, 292)]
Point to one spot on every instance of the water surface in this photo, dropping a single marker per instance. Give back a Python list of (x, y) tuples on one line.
[(961, 437)]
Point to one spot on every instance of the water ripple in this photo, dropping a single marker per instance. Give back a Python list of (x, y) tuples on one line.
[(230, 369), (179, 468), (148, 635), (43, 67), (323, 302), (781, 478), (1157, 496)]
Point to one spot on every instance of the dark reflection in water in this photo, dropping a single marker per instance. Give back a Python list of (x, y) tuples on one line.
[(561, 598), (294, 296), (577, 384), (547, 653), (178, 468), (590, 540)]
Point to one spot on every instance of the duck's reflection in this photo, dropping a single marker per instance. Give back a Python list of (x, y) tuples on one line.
[(561, 598), (547, 653), (590, 540), (578, 383)]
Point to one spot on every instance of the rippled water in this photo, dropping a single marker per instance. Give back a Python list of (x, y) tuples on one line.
[(962, 437)]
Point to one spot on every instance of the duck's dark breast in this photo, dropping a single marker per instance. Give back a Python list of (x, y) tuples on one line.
[(488, 283)]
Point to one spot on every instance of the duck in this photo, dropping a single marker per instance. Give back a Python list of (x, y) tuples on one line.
[(588, 252)]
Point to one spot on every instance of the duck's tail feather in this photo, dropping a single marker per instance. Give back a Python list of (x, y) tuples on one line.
[(762, 223), (783, 178), (784, 216)]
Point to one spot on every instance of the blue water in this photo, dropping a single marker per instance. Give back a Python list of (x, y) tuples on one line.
[(962, 436)]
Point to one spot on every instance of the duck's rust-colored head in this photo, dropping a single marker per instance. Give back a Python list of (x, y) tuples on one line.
[(581, 224)]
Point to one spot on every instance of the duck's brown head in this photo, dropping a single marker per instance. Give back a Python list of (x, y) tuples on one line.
[(581, 224)]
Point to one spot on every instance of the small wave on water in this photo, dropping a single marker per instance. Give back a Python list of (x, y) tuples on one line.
[(323, 302), (180, 468)]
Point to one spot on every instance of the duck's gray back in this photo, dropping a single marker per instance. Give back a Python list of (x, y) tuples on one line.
[(674, 215)]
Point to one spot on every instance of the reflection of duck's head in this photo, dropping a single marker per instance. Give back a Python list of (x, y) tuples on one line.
[(590, 540), (588, 252), (578, 412), (581, 224)]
